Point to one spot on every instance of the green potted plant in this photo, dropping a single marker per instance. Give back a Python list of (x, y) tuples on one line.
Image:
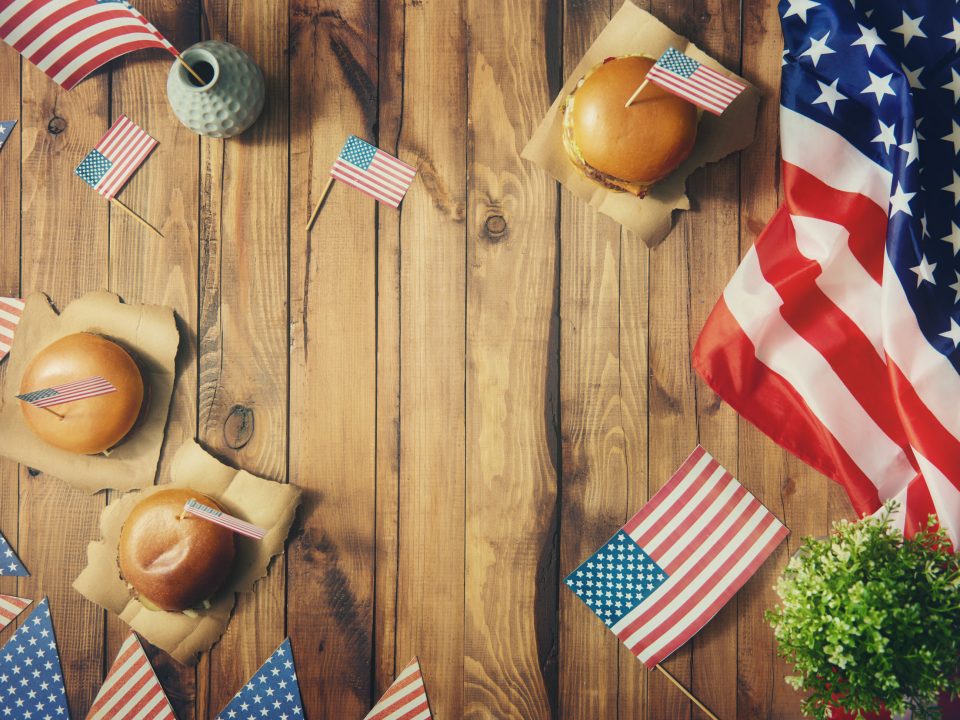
[(871, 620)]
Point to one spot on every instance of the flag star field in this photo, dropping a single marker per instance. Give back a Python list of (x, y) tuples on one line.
[(31, 680)]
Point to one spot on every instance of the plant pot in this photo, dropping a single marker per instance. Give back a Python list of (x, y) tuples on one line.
[(231, 98)]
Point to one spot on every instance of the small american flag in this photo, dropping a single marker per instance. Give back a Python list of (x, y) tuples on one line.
[(116, 157), (69, 39), (675, 563), (10, 311), (273, 692), (131, 690), (406, 699), (373, 171), (6, 128), (694, 81), (10, 607), (68, 392), (220, 518)]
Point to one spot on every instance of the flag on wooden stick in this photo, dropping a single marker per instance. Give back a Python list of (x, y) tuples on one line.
[(241, 527), (10, 311), (69, 39), (68, 392), (693, 81), (274, 688), (671, 568), (10, 607), (116, 157), (406, 698), (131, 690), (373, 171)]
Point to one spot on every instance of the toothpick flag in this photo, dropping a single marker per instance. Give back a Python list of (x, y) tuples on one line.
[(131, 690), (31, 681), (68, 392), (671, 568), (9, 562), (221, 518), (69, 39), (273, 692), (406, 698), (703, 86), (10, 311), (116, 157), (6, 128), (373, 171), (10, 607)]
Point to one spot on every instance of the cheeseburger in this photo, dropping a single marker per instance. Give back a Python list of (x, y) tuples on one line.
[(626, 148), (91, 425)]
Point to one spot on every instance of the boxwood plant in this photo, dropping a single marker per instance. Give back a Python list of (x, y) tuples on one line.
[(869, 619)]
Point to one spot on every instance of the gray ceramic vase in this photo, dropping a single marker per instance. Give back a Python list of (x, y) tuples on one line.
[(229, 102)]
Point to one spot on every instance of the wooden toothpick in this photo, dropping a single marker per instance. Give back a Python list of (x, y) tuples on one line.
[(686, 692), (135, 216), (53, 412), (323, 196), (637, 92), (191, 70)]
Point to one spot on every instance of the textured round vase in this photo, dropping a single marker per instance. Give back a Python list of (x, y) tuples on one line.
[(231, 98)]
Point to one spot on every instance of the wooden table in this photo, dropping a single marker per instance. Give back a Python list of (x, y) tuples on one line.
[(473, 392)]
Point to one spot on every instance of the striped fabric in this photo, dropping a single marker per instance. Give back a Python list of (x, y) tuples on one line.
[(10, 607), (116, 157), (69, 39), (405, 699), (10, 311), (694, 81), (131, 690), (671, 568)]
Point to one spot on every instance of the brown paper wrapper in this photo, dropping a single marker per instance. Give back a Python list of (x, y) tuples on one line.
[(635, 31), (150, 332), (267, 504)]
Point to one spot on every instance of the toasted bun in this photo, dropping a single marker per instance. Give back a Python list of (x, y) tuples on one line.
[(94, 424), (174, 564), (627, 148)]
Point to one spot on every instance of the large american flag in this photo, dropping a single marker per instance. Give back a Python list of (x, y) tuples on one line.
[(838, 334), (11, 309), (116, 157), (405, 699), (693, 81), (678, 561), (373, 171), (69, 39), (68, 392), (131, 690)]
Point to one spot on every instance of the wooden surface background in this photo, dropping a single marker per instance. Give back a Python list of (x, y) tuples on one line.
[(474, 392)]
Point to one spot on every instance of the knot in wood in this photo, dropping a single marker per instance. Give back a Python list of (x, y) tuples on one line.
[(495, 228), (56, 125), (238, 427)]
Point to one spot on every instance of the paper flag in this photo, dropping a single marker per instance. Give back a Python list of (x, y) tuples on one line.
[(373, 171), (695, 82), (406, 698), (221, 518), (679, 560), (10, 311), (9, 562), (273, 692), (68, 392), (10, 607), (131, 690), (6, 129), (116, 157), (69, 40), (31, 681)]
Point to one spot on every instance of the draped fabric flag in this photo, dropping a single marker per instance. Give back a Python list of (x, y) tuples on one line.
[(675, 563), (695, 82), (31, 680), (9, 562), (10, 311), (273, 692), (838, 335), (10, 607), (131, 690), (116, 157), (69, 39), (405, 699)]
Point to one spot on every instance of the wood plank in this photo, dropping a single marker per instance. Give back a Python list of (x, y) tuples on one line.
[(164, 191), (430, 599), (64, 253), (512, 443), (333, 433), (243, 316)]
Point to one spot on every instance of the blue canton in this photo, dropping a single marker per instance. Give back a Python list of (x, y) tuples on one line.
[(32, 397), (358, 152), (886, 75), (31, 681), (616, 579), (6, 129), (678, 63), (94, 166), (273, 692), (9, 562)]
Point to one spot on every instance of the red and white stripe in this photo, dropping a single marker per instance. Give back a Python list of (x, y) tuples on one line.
[(69, 39), (406, 699), (814, 340), (710, 535), (228, 521), (73, 391), (705, 88), (127, 145), (10, 311), (131, 690), (10, 607), (386, 180)]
